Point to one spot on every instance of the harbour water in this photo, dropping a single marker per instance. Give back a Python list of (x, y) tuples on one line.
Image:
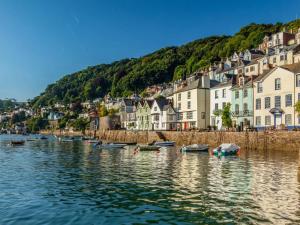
[(47, 182)]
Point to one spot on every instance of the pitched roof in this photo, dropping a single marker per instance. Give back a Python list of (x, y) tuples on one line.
[(161, 102), (295, 68), (193, 85)]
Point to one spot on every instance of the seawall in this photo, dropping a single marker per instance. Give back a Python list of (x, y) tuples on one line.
[(273, 140)]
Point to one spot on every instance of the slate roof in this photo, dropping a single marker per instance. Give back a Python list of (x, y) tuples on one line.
[(295, 68)]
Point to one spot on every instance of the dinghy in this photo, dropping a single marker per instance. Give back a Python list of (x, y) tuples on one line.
[(164, 143), (226, 149), (14, 143), (148, 147), (195, 148), (110, 146)]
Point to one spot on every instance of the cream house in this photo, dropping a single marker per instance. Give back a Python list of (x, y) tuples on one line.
[(275, 94), (191, 101)]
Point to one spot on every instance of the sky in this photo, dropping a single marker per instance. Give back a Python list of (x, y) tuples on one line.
[(41, 41)]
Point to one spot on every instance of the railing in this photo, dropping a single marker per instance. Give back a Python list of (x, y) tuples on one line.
[(242, 113)]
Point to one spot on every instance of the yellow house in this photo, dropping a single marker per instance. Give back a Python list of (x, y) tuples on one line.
[(275, 94)]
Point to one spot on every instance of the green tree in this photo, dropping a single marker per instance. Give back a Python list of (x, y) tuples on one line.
[(81, 124), (226, 116)]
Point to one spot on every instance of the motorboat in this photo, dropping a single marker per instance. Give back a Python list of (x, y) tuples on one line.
[(148, 147), (164, 143), (43, 138), (226, 149), (195, 148)]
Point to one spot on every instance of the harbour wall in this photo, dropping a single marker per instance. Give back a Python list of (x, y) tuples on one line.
[(272, 140)]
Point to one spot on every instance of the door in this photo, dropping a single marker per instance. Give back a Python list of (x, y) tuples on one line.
[(278, 121)]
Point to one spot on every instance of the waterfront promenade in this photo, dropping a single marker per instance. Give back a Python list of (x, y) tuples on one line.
[(271, 140)]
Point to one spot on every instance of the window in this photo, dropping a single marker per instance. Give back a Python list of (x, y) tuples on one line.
[(267, 120), (156, 117), (216, 94), (277, 84), (258, 120), (258, 104), (288, 119), (189, 115), (298, 80), (224, 93), (259, 87), (274, 59), (180, 116), (251, 68), (237, 108), (283, 57), (179, 97), (288, 100), (267, 102), (245, 107), (277, 101), (216, 106), (189, 95), (203, 115), (155, 108), (223, 105), (189, 104), (237, 94), (247, 70), (245, 93), (179, 106)]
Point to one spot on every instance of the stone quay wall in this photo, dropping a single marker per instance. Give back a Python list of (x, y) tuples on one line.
[(271, 140)]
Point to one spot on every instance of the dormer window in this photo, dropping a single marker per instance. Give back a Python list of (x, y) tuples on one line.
[(241, 81)]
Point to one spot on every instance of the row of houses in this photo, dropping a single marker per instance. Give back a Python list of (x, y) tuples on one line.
[(262, 86)]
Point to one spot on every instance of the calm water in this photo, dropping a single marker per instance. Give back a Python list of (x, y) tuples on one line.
[(47, 182)]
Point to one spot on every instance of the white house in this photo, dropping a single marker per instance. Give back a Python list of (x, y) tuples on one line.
[(163, 115), (220, 95)]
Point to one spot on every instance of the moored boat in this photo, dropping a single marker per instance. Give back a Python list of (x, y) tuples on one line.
[(110, 146), (14, 143), (148, 147), (195, 148), (226, 149), (165, 143)]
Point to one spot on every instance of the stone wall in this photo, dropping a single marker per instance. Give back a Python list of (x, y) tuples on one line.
[(276, 140)]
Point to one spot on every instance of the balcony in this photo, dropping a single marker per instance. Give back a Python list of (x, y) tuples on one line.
[(244, 113)]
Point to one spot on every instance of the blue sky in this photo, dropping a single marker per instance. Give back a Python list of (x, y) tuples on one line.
[(40, 41)]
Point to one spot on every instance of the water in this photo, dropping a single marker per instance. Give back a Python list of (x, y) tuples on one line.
[(46, 182)]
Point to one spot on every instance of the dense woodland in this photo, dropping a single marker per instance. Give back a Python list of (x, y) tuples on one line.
[(128, 76)]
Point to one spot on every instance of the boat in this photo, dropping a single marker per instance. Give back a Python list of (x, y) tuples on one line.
[(14, 143), (226, 149), (195, 148), (43, 138), (126, 143), (110, 145), (32, 139), (92, 141), (148, 147), (164, 143)]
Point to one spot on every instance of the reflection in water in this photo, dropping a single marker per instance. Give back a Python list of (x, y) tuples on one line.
[(47, 182)]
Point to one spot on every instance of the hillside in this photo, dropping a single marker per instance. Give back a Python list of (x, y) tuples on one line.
[(124, 77)]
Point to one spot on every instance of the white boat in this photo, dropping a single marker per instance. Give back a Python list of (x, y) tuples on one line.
[(195, 148), (226, 149), (111, 146), (165, 143)]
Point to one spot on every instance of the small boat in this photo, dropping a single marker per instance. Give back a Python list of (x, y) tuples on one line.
[(43, 138), (195, 148), (14, 143), (93, 141), (32, 139), (164, 143), (126, 143), (226, 149), (66, 140), (148, 147), (110, 146)]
